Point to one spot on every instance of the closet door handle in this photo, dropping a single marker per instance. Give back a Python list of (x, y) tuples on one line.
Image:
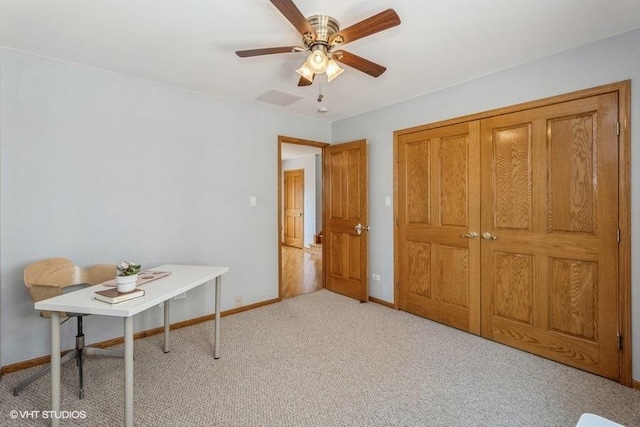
[(488, 236), (360, 228), (471, 235)]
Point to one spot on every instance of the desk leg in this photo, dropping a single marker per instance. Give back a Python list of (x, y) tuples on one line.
[(216, 340), (128, 371), (55, 367), (167, 324)]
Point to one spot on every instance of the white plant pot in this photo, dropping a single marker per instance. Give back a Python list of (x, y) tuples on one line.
[(126, 283)]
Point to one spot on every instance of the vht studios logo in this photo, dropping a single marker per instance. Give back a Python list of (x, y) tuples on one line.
[(47, 415)]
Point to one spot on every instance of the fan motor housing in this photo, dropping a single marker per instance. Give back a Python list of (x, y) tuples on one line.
[(325, 26)]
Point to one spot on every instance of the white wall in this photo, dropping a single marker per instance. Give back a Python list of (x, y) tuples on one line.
[(100, 167), (608, 61), (308, 164), (90, 159)]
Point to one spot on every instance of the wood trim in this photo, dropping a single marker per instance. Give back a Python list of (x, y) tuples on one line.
[(624, 225), (396, 243), (381, 302), (14, 367), (290, 140), (636, 384), (623, 88)]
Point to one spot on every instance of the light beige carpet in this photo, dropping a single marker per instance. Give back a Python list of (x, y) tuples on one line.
[(325, 360)]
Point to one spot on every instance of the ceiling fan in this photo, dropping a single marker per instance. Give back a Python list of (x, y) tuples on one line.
[(321, 34)]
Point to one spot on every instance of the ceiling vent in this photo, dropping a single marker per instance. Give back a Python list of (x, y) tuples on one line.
[(277, 97)]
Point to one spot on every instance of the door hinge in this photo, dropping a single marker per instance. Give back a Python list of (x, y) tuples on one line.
[(618, 128), (619, 341), (618, 235)]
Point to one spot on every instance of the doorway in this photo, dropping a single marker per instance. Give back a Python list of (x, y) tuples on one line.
[(300, 216)]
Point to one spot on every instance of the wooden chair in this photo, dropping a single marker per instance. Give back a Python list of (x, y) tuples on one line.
[(52, 277)]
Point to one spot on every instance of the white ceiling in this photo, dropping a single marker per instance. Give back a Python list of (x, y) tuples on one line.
[(191, 44)]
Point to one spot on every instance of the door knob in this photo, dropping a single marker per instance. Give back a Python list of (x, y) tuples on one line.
[(488, 236), (471, 235), (360, 228)]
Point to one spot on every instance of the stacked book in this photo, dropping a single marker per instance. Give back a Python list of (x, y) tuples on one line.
[(112, 296)]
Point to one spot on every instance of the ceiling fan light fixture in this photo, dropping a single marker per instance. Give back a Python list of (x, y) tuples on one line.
[(333, 70), (317, 61), (320, 35), (305, 72)]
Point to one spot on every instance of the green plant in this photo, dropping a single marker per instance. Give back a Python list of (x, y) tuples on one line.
[(127, 268)]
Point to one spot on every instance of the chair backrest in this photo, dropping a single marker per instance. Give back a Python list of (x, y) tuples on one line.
[(45, 279), (99, 273)]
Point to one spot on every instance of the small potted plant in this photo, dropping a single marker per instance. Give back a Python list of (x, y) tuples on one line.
[(127, 276)]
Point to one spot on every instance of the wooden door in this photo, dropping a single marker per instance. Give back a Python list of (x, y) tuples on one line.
[(438, 224), (294, 208), (550, 214), (345, 201)]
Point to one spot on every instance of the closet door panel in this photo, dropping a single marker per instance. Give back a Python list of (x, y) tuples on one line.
[(512, 162), (549, 208), (438, 199)]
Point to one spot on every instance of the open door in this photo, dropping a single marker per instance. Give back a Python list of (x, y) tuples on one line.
[(346, 219)]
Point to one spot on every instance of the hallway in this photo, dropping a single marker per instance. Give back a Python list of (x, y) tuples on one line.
[(301, 271)]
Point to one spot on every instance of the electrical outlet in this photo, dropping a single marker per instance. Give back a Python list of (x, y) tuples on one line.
[(180, 296), (238, 301), (375, 277)]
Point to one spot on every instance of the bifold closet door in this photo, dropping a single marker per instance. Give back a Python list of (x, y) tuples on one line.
[(438, 218), (549, 232)]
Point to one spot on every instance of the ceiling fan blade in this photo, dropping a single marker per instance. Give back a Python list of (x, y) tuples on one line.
[(266, 51), (359, 63), (373, 24), (293, 15), (305, 82)]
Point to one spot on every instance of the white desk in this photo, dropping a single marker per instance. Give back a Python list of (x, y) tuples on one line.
[(181, 279)]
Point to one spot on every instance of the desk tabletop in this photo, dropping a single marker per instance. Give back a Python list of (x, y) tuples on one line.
[(181, 279)]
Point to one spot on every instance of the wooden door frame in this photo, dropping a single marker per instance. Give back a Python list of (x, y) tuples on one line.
[(623, 90), (290, 140)]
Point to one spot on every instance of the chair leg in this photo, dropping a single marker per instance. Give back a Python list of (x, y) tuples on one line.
[(42, 371), (82, 352), (95, 351), (79, 355), (80, 361), (80, 358)]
